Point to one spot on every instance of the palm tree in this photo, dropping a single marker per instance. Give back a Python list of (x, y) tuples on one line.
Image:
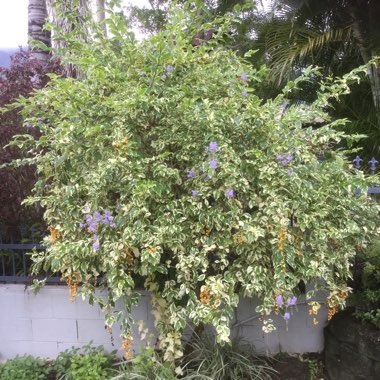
[(37, 15), (337, 35)]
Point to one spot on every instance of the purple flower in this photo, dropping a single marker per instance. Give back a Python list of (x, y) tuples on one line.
[(107, 214), (287, 316), (213, 147), (230, 193), (292, 301), (92, 227), (97, 216), (279, 157), (279, 300), (194, 193), (290, 172), (191, 174), (214, 164), (284, 162), (244, 76), (112, 225), (244, 93), (169, 69), (82, 225), (206, 177), (96, 244), (289, 157), (86, 209)]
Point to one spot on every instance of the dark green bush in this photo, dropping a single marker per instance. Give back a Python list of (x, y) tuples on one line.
[(93, 364), (367, 294), (25, 368)]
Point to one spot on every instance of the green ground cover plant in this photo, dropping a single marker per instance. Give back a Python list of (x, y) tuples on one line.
[(25, 368), (87, 363), (161, 163)]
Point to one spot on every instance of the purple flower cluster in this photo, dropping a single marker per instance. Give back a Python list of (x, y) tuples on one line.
[(285, 159), (191, 174), (213, 147), (230, 193), (213, 163), (212, 150), (96, 244), (279, 300), (291, 302), (169, 68), (244, 76), (93, 221)]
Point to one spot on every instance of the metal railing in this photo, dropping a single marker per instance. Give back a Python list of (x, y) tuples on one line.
[(16, 244)]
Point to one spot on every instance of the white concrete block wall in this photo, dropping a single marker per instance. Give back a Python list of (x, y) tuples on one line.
[(47, 323)]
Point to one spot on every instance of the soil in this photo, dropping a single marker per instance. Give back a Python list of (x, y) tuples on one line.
[(299, 367)]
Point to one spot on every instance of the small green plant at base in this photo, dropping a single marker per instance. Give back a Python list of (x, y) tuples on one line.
[(146, 366), (25, 368), (238, 360), (315, 369), (93, 364)]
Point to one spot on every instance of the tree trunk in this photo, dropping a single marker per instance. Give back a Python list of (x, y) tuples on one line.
[(66, 15), (37, 15), (101, 14)]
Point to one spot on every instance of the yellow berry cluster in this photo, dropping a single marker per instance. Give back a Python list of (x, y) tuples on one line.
[(152, 250), (315, 306), (118, 145), (204, 295), (126, 345), (127, 257), (332, 304), (72, 283), (239, 238), (54, 234), (281, 239)]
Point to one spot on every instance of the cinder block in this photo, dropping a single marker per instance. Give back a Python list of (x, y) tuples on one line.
[(93, 330), (10, 349), (39, 306), (17, 329), (87, 311), (246, 310), (54, 330), (44, 349), (293, 341)]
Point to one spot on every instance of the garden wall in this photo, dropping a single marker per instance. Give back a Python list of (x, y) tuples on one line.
[(47, 323)]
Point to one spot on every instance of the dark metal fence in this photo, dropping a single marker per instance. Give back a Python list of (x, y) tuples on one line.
[(16, 244)]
